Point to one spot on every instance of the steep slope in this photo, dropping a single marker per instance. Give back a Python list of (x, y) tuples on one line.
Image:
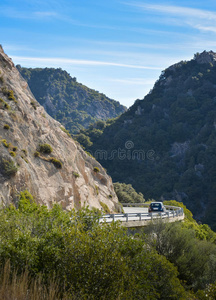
[(35, 153), (68, 101), (165, 144)]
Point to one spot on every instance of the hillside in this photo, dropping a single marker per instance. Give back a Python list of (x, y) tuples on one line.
[(68, 101), (165, 144), (37, 155)]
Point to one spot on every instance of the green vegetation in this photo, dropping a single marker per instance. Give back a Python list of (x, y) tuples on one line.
[(105, 208), (3, 104), (66, 131), (84, 258), (74, 256), (96, 169), (97, 189), (6, 126), (8, 167), (72, 104), (9, 94), (36, 154), (75, 174), (12, 153), (127, 194), (57, 163), (5, 143), (45, 148), (173, 135)]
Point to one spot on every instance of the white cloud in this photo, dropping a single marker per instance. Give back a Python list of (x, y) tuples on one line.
[(176, 10), (56, 61)]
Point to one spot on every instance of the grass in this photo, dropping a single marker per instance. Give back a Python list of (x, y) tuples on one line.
[(24, 287)]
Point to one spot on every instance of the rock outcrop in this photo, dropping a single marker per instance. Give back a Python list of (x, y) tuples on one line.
[(62, 173)]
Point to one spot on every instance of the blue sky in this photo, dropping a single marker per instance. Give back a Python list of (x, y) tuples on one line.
[(117, 47)]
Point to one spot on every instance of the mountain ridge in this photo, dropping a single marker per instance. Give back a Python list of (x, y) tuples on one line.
[(171, 133), (68, 101)]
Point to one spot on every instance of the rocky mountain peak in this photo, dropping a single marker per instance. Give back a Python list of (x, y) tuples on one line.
[(205, 57), (37, 154)]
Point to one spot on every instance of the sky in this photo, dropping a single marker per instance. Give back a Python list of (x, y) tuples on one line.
[(117, 47)]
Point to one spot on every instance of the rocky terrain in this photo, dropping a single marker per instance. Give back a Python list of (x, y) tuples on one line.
[(36, 154), (68, 101)]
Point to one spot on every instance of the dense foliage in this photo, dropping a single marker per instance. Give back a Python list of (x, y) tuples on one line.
[(66, 100), (164, 145), (76, 257), (127, 194), (89, 259)]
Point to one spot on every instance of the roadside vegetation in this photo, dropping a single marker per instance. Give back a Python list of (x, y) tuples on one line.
[(54, 254)]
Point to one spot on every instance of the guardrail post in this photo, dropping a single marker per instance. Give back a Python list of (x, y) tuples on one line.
[(140, 216), (173, 214), (151, 216), (167, 213), (126, 215)]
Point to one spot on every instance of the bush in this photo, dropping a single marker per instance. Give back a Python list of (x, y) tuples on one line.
[(105, 207), (75, 174), (6, 126), (3, 104), (9, 168), (5, 143), (127, 194), (45, 148), (90, 260), (57, 163), (12, 153), (96, 169), (36, 154)]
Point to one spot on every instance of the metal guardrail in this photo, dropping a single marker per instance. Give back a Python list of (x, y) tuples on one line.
[(171, 212)]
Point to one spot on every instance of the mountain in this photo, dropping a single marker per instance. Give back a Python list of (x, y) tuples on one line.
[(165, 144), (37, 155), (68, 101)]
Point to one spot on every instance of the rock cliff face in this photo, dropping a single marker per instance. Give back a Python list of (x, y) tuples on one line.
[(65, 175)]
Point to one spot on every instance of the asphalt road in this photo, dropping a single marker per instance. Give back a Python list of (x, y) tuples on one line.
[(129, 210)]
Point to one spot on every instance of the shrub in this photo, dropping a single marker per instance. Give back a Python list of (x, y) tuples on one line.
[(12, 153), (5, 143), (14, 148), (97, 190), (45, 148), (105, 207), (96, 169), (75, 174), (8, 166), (24, 151), (57, 163), (36, 154), (6, 126), (11, 95), (3, 104)]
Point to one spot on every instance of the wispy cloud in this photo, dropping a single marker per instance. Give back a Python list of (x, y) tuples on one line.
[(196, 18), (176, 10), (56, 61)]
